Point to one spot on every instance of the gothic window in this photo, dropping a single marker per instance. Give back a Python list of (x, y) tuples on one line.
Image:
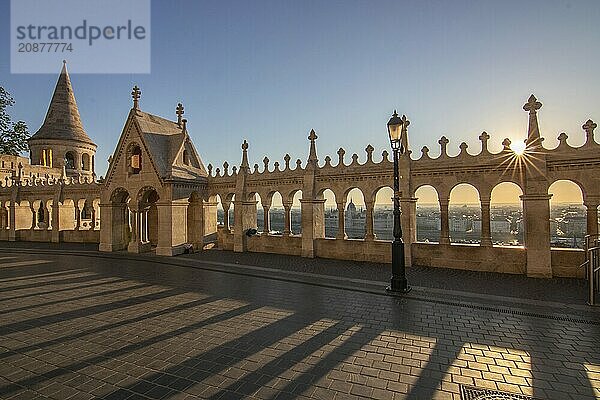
[(69, 160), (40, 213), (135, 159), (85, 162), (186, 157)]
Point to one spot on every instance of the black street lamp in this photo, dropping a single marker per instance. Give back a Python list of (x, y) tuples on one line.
[(396, 128)]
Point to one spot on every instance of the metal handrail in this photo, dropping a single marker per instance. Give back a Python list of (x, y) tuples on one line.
[(593, 271)]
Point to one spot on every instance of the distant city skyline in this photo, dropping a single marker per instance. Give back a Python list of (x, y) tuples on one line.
[(269, 71)]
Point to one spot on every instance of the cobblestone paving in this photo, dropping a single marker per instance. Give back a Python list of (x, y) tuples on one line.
[(83, 327)]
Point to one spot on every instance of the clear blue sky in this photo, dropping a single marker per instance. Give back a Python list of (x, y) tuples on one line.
[(269, 71)]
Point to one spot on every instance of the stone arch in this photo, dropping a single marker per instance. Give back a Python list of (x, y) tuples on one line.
[(428, 217), (355, 213), (296, 212), (383, 213), (464, 218), (568, 217), (147, 198), (330, 212), (276, 213), (506, 214)]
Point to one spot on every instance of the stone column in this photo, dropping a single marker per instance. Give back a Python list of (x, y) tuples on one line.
[(408, 219), (135, 242), (33, 215), (444, 223), (55, 221), (226, 216), (93, 223), (536, 214), (369, 234), (486, 231), (77, 215), (196, 224), (287, 222), (266, 219), (313, 224), (592, 216), (12, 233), (143, 215), (111, 235), (341, 233)]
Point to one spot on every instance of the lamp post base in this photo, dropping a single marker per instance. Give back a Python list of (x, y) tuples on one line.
[(398, 286)]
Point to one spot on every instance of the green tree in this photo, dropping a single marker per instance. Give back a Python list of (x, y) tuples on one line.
[(13, 135)]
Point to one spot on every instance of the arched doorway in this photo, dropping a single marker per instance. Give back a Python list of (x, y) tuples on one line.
[(147, 217)]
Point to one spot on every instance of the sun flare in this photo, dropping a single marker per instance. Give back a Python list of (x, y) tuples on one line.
[(518, 147)]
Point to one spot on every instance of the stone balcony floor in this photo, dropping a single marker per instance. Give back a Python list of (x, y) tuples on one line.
[(219, 325)]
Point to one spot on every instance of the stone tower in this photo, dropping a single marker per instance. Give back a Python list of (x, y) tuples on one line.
[(61, 141)]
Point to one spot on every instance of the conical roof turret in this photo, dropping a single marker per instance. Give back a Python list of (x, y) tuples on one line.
[(62, 121)]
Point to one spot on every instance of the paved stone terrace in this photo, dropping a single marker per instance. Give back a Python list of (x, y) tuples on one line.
[(88, 326)]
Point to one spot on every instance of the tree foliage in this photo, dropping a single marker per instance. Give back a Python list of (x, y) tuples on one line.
[(13, 135)]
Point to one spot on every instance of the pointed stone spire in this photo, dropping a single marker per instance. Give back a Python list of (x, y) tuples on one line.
[(62, 120), (533, 132), (245, 164), (312, 155)]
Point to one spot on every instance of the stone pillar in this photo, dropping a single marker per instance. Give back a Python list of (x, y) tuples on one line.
[(341, 233), (93, 223), (172, 233), (55, 220), (135, 242), (12, 233), (196, 223), (408, 219), (313, 224), (266, 219), (245, 217), (226, 216), (486, 231), (33, 215), (287, 222), (444, 223), (536, 214), (77, 215), (592, 215), (109, 234), (143, 225), (369, 233)]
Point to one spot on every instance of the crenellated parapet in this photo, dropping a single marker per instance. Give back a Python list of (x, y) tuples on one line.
[(531, 166)]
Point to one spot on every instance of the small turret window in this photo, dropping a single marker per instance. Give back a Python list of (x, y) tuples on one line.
[(85, 162), (69, 160), (186, 157), (135, 160)]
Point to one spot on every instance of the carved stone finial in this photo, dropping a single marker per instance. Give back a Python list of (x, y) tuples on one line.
[(179, 111), (210, 167), (234, 170), (287, 159), (463, 148), (354, 158), (225, 168), (506, 144), (533, 132), (256, 168), (484, 137), (312, 155), (266, 163), (298, 164), (276, 165), (425, 152), (328, 161), (369, 149), (562, 139), (384, 155), (135, 94), (340, 154), (443, 145), (589, 127), (245, 164)]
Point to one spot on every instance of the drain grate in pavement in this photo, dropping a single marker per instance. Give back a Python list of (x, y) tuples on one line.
[(473, 393)]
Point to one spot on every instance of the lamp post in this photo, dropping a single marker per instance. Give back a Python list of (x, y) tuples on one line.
[(396, 128)]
